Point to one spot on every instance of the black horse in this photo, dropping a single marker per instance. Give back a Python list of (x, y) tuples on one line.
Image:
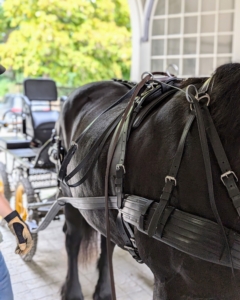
[(150, 151)]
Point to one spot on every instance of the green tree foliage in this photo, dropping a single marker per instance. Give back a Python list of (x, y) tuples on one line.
[(72, 41)]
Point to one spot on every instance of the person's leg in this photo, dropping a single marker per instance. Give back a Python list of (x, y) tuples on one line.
[(6, 292)]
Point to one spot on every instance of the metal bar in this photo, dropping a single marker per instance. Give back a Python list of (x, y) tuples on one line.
[(37, 205)]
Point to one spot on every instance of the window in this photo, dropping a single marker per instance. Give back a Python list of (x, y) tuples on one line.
[(196, 35)]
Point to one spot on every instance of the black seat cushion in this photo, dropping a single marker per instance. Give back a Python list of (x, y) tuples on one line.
[(14, 142), (43, 123), (44, 119)]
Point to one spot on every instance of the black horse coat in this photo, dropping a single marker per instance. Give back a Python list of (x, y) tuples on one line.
[(150, 151)]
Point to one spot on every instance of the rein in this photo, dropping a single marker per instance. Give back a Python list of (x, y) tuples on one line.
[(163, 213)]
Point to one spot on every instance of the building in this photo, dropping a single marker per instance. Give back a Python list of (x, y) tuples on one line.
[(195, 35)]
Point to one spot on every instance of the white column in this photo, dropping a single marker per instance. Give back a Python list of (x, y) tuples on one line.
[(145, 46), (136, 14), (236, 27)]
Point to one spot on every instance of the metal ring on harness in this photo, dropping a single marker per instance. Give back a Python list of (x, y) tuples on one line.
[(175, 67), (147, 73), (188, 97), (202, 97), (196, 96)]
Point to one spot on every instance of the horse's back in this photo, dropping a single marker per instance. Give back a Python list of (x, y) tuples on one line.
[(85, 104)]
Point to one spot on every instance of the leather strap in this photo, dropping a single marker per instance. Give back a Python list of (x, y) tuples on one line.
[(109, 161), (97, 147), (128, 237), (170, 180), (127, 83), (121, 152), (188, 233), (228, 177), (74, 145), (207, 164), (145, 111)]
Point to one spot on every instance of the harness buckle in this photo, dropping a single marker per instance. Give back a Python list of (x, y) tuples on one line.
[(170, 178), (226, 174)]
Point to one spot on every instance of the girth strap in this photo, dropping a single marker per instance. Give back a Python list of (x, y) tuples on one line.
[(188, 233)]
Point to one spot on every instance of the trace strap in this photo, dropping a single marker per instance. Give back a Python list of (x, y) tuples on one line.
[(170, 180), (110, 154), (208, 169), (228, 177)]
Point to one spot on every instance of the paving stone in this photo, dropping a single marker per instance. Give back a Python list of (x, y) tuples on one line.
[(142, 295)]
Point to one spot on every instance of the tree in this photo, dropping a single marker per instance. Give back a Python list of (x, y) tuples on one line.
[(71, 41)]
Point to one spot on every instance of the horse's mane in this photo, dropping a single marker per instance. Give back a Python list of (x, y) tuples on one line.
[(225, 98)]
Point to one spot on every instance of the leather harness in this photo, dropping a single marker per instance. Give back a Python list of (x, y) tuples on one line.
[(219, 245)]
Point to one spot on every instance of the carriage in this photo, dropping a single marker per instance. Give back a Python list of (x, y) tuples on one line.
[(29, 169)]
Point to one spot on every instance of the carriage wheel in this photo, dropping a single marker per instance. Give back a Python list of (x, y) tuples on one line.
[(4, 183), (25, 195)]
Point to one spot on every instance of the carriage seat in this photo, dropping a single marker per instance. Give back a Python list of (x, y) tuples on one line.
[(39, 118), (16, 142), (43, 123)]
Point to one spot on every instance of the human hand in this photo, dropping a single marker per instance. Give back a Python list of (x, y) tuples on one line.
[(21, 232)]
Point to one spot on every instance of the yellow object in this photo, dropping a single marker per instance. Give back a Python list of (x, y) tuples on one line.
[(1, 187), (19, 203)]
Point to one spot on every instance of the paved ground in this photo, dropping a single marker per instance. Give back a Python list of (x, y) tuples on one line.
[(42, 278)]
